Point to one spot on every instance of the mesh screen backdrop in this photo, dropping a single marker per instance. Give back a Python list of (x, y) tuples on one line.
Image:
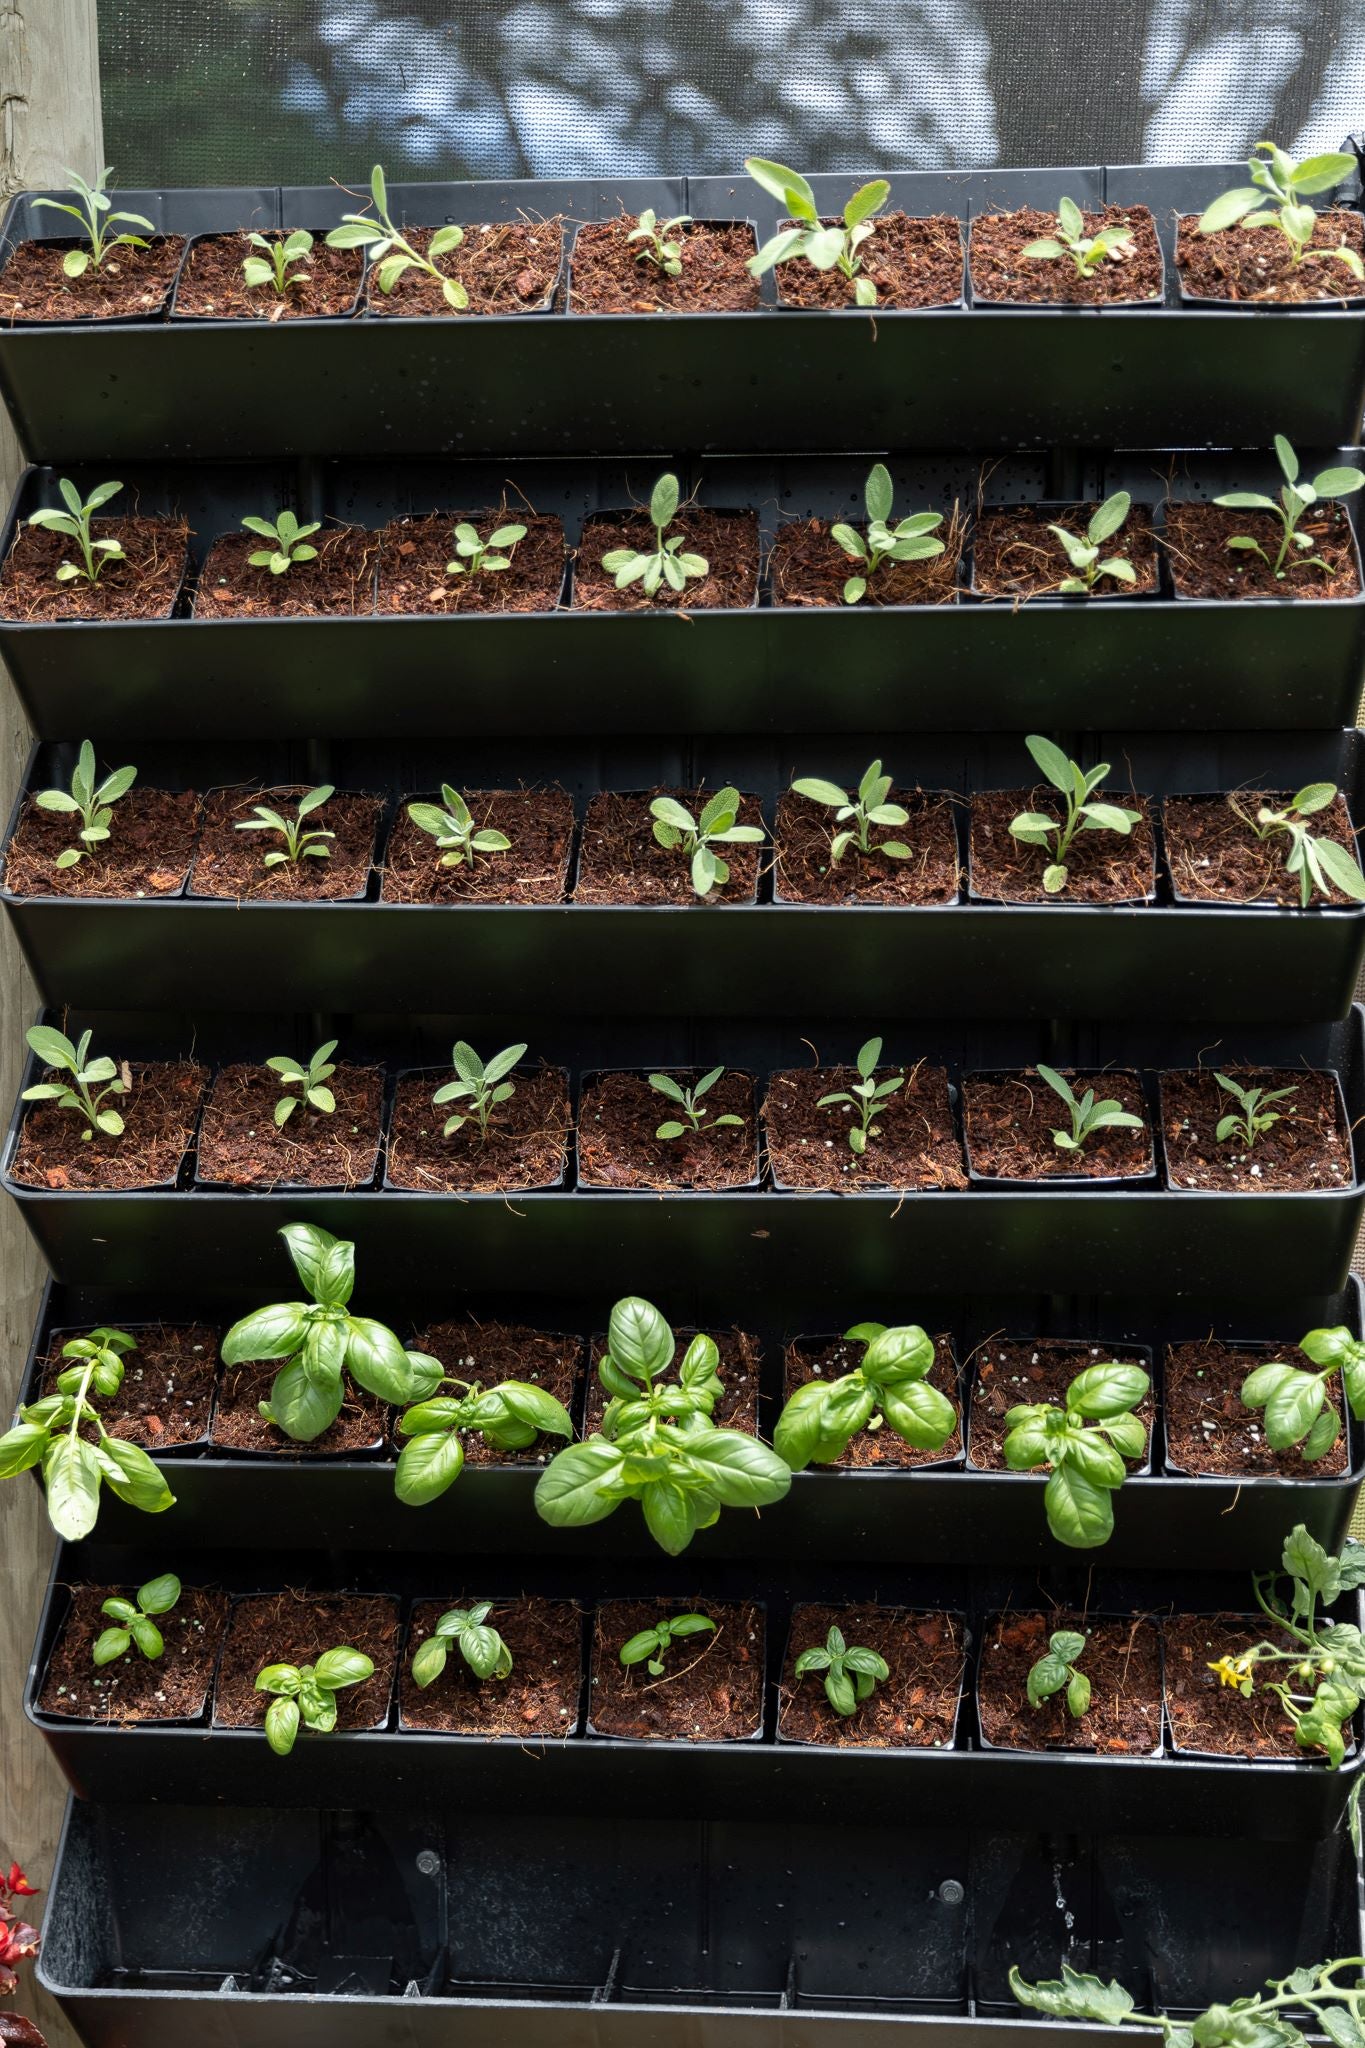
[(297, 91)]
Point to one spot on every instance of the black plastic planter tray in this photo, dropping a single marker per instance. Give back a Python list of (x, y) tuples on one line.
[(533, 383), (1148, 665)]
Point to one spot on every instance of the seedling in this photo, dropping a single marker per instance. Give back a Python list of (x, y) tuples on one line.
[(1320, 864), (475, 557), (482, 1087), (48, 1433), (865, 807), (55, 1049), (509, 1417), (1088, 1114), (275, 265), (75, 523), (387, 247), (454, 830), (1295, 1401), (1257, 1116), (133, 1621), (93, 214), (465, 1628), (288, 542), (832, 248), (323, 1342), (851, 1675), (300, 843), (1084, 1443), (311, 1082), (1336, 2010), (889, 1385), (652, 1645), (1078, 786), (658, 1443), (667, 563), (688, 1100), (660, 250), (1055, 1671), (1086, 252), (1296, 495), (674, 826), (1277, 197), (92, 802), (909, 540), (1085, 553), (866, 1096), (307, 1694)]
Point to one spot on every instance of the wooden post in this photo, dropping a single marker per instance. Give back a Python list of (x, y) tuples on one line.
[(49, 118)]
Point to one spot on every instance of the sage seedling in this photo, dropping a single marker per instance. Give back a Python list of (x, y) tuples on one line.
[(910, 540), (832, 248), (454, 830), (482, 1086), (864, 807), (48, 1433), (697, 838), (92, 213), (659, 247), (133, 1621), (387, 247), (1257, 1116), (1086, 252), (1055, 1671), (311, 1082), (1337, 2011), (668, 562), (1088, 1113), (288, 541), (690, 1103), (275, 265), (652, 1645), (889, 1386), (1078, 786), (475, 557), (92, 802), (55, 1049), (465, 1629), (75, 524), (851, 1674), (1297, 494), (1086, 554), (1278, 197), (300, 843), (1084, 1442), (1295, 1402), (509, 1417), (306, 1694), (866, 1095), (1320, 864)]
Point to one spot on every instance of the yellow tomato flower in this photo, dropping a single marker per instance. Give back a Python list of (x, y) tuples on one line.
[(1233, 1671)]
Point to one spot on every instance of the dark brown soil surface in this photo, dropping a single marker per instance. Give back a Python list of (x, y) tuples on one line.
[(238, 1424), (807, 567), (167, 1392), (534, 869), (1215, 856), (1001, 274), (805, 872), (871, 1450), (538, 1701), (338, 581), (241, 1145), (414, 553), (618, 1114), (1102, 867), (1214, 1718), (213, 287), (610, 274), (153, 832), (1250, 266), (1209, 1430), (913, 1141), (526, 1146), (1013, 1373), (1307, 1148), (1015, 556), (296, 1628), (33, 285), (915, 1708), (712, 1687), (144, 584), (488, 1353), (1010, 1119), (159, 1112), (171, 1687), (911, 262), (620, 860), (504, 266), (1203, 565), (740, 1370), (1122, 1660), (727, 541), (231, 864)]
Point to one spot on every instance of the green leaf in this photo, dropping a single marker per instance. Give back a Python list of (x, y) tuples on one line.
[(282, 1715), (1321, 1436), (1292, 1409), (920, 1413), (72, 1473), (1304, 1558), (670, 1515), (1107, 818), (1050, 761), (21, 1447), (1127, 1434), (1074, 1996), (1091, 1454), (818, 791), (1107, 1389), (1229, 208), (148, 1638), (800, 1427), (342, 1667), (1079, 1514), (1338, 483), (878, 493), (1078, 1696), (580, 1485), (310, 1248), (537, 1409), (1341, 870), (869, 199), (159, 1595), (377, 1361), (902, 1353), (300, 1408), (788, 187), (638, 1339), (740, 1471), (1045, 1678), (427, 1466), (273, 1332)]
